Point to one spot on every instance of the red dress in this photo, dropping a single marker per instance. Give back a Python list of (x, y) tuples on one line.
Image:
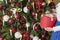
[(46, 21)]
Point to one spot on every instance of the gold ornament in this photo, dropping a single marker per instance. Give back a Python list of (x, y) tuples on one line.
[(48, 1)]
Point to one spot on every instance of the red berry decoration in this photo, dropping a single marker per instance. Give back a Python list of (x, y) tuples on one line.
[(11, 21), (9, 13), (17, 16), (24, 33), (43, 36), (13, 30), (0, 6), (17, 4), (22, 20), (20, 27), (4, 7), (1, 38), (33, 13), (29, 7)]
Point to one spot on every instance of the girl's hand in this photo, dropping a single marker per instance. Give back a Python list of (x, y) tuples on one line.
[(49, 29)]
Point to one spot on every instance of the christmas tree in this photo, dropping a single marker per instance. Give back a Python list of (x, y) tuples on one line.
[(19, 19)]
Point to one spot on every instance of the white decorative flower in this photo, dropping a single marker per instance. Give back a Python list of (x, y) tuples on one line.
[(25, 9), (6, 18), (27, 24), (18, 35)]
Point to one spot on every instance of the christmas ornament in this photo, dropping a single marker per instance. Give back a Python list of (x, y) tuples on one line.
[(35, 38), (28, 37), (9, 13), (22, 20), (13, 30), (20, 27), (36, 28), (39, 3), (33, 13), (17, 4), (1, 38), (47, 20), (17, 16), (31, 0), (11, 21), (43, 36), (5, 17), (27, 25), (25, 9), (31, 36), (43, 3), (52, 4), (18, 35), (24, 33), (1, 6), (4, 7), (30, 7), (48, 1)]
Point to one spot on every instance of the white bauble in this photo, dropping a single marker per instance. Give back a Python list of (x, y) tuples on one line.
[(35, 38), (6, 18), (43, 3), (25, 9), (18, 35), (31, 36), (27, 24)]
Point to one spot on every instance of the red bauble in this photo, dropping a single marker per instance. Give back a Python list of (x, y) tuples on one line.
[(0, 6), (22, 20), (11, 21), (1, 38), (43, 35), (33, 13), (31, 0), (17, 4), (20, 26), (4, 7), (13, 30), (46, 21), (1, 23), (36, 27), (29, 7), (52, 4), (17, 16), (28, 37), (9, 13), (24, 33)]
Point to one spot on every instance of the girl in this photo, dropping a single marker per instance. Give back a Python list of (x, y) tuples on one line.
[(55, 30)]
